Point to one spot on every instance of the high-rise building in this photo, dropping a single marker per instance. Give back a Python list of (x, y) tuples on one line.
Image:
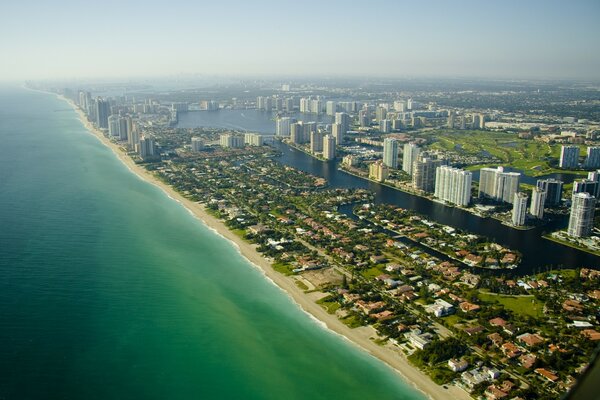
[(197, 144), (475, 121), (498, 185), (363, 118), (133, 139), (380, 113), (228, 140), (397, 124), (553, 189), (423, 175), (330, 108), (409, 156), (253, 139), (297, 133), (264, 103), (593, 157), (102, 113), (569, 157), (581, 220), (378, 171), (336, 131), (519, 210), (538, 199), (400, 106), (124, 128), (585, 186), (390, 153), (283, 126), (316, 142), (316, 106), (113, 125), (304, 105), (147, 149), (343, 119), (450, 121), (329, 147), (288, 104), (453, 185), (385, 126)]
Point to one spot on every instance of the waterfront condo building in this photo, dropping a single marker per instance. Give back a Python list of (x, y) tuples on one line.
[(378, 171), (316, 142), (227, 140), (498, 185), (343, 119), (553, 189), (102, 113), (253, 139), (390, 152), (585, 186), (409, 156), (453, 185), (569, 157), (146, 148), (113, 125), (282, 127), (423, 177), (538, 199), (581, 220), (336, 132), (330, 108), (519, 210), (329, 147)]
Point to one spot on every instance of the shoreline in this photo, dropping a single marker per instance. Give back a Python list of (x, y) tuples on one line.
[(360, 337)]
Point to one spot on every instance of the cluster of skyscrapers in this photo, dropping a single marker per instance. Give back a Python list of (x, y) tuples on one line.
[(118, 122)]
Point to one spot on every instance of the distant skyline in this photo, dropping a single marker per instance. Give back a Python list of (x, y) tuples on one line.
[(66, 39)]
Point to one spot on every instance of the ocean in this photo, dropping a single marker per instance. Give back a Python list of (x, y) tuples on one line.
[(110, 289)]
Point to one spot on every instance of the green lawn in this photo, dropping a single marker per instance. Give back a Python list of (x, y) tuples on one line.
[(352, 321), (371, 273), (524, 305), (451, 320)]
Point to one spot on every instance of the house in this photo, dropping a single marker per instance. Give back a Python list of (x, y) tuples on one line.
[(258, 229), (591, 334), (530, 339), (418, 339), (440, 308), (496, 339), (368, 307), (457, 365), (572, 306), (527, 360), (497, 322), (546, 374), (467, 307), (510, 350), (474, 330), (383, 315)]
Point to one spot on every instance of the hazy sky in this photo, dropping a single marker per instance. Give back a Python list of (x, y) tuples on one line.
[(107, 38)]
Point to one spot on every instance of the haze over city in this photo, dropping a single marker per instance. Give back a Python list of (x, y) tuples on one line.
[(300, 200), (508, 39)]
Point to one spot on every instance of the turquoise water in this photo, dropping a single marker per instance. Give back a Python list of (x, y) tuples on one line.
[(109, 289)]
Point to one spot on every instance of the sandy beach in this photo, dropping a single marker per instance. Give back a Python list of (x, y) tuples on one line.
[(360, 336)]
